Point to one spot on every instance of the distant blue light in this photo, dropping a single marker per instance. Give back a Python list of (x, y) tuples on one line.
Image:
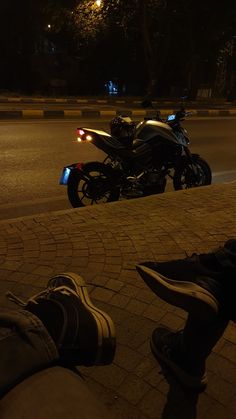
[(111, 88)]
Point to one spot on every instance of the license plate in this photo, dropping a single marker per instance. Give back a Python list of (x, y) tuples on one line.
[(65, 176)]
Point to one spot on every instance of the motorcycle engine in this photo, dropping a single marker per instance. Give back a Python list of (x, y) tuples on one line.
[(147, 183), (153, 178)]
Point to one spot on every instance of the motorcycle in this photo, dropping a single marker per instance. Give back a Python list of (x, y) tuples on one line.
[(139, 160)]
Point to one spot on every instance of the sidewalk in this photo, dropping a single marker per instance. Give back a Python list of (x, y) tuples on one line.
[(104, 243)]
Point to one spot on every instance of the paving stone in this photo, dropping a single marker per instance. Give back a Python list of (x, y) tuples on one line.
[(155, 377), (136, 307), (102, 294), (228, 350), (43, 271), (153, 404), (145, 295), (222, 367), (114, 284), (47, 256), (31, 254), (129, 290), (218, 411), (230, 333), (220, 390), (133, 389), (154, 313), (112, 375), (173, 321), (112, 268), (104, 244), (119, 300), (127, 358), (11, 265)]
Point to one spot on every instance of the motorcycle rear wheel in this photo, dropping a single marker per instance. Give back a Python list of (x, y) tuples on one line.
[(91, 186), (192, 174)]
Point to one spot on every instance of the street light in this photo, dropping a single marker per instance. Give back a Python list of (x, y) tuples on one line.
[(98, 3)]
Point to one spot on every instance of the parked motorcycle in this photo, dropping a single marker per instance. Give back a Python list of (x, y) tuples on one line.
[(139, 160)]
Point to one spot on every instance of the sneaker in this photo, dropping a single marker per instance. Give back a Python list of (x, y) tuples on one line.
[(199, 296), (194, 283), (83, 334), (165, 347)]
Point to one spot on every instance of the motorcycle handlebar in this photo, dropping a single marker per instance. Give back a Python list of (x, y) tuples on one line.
[(180, 116)]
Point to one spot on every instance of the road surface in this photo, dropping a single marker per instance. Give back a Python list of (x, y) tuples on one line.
[(33, 152)]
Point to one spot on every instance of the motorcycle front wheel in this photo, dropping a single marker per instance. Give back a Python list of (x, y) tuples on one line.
[(92, 185), (192, 174)]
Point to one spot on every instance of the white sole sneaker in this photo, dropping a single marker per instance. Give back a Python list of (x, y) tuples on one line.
[(186, 295)]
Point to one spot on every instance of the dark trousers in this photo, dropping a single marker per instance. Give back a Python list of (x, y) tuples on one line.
[(32, 384)]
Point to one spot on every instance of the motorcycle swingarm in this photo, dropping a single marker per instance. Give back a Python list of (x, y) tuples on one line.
[(67, 170)]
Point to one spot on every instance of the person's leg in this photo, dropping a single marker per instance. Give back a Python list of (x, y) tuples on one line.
[(199, 338), (185, 352), (25, 347), (83, 334), (54, 392), (59, 325), (204, 285), (199, 284)]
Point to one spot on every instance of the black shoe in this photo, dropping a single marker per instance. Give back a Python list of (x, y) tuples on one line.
[(197, 284), (165, 347), (191, 296), (83, 334)]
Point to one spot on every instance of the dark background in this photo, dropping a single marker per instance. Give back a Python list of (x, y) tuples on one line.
[(146, 47)]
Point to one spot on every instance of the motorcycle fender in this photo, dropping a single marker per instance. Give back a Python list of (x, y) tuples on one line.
[(67, 172), (186, 159)]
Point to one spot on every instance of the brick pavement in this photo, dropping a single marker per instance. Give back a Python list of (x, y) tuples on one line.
[(103, 244)]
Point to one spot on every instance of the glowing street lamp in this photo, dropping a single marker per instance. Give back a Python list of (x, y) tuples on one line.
[(98, 3)]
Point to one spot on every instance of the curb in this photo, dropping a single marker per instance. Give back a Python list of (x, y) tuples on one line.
[(108, 100), (71, 100), (74, 113)]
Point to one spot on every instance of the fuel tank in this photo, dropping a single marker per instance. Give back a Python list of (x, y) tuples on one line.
[(147, 130)]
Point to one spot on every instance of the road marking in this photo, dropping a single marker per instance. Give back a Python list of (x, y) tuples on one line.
[(137, 112), (33, 113), (15, 99), (213, 112), (72, 112), (38, 99), (60, 100), (108, 113)]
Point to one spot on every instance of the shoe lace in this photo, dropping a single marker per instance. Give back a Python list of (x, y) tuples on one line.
[(16, 300), (12, 297)]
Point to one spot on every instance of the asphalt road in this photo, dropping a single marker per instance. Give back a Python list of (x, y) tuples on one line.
[(34, 152)]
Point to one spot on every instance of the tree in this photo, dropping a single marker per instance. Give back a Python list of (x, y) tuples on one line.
[(136, 20), (24, 31), (181, 39)]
